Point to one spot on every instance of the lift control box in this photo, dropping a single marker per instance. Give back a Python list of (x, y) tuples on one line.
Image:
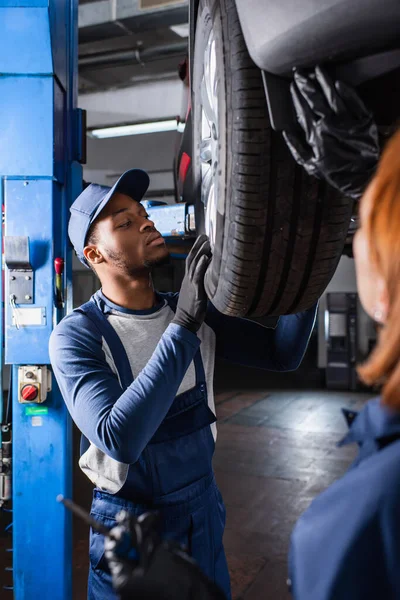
[(34, 383)]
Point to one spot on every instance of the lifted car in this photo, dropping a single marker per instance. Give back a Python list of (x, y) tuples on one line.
[(277, 234)]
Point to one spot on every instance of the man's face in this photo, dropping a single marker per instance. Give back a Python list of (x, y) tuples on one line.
[(127, 239)]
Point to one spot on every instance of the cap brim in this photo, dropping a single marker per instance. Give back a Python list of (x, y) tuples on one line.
[(133, 183)]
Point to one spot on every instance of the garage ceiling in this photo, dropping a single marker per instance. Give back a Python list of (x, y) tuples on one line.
[(125, 42)]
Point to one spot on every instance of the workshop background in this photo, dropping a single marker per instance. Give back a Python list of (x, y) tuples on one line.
[(277, 432)]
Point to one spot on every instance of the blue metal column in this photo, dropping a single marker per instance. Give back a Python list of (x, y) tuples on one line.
[(39, 175)]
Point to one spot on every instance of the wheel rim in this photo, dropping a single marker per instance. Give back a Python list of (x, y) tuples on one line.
[(209, 144)]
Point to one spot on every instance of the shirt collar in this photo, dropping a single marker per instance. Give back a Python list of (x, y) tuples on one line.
[(106, 306), (374, 422)]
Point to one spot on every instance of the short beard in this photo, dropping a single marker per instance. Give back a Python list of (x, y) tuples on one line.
[(157, 262), (119, 261)]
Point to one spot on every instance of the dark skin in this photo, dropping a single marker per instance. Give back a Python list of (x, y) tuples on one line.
[(127, 245)]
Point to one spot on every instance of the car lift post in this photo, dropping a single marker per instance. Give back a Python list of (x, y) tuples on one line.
[(40, 174)]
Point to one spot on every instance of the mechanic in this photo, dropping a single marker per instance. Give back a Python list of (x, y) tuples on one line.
[(135, 368), (347, 544)]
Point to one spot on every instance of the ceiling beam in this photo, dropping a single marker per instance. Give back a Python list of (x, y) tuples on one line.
[(120, 17), (155, 100), (115, 58)]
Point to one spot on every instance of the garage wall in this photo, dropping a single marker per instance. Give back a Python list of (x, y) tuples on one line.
[(157, 100), (151, 101), (108, 158)]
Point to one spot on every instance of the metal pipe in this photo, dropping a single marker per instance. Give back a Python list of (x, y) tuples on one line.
[(114, 58)]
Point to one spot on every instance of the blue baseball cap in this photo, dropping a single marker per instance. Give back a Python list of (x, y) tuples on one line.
[(89, 204)]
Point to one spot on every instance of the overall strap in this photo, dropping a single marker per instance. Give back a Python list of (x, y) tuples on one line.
[(121, 361), (199, 368), (172, 301)]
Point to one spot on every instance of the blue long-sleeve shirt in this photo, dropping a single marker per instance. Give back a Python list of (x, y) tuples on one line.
[(121, 422)]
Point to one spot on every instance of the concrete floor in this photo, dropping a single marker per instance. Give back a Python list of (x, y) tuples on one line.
[(275, 451)]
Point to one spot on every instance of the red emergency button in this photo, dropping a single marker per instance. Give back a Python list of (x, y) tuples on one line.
[(29, 392)]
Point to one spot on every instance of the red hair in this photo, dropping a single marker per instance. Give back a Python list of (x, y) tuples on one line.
[(383, 366)]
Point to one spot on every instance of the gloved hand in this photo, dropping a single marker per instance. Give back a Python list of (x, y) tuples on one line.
[(339, 141), (119, 563), (192, 303), (145, 568), (170, 575)]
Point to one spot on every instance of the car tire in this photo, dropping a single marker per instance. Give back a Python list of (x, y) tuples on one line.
[(277, 234)]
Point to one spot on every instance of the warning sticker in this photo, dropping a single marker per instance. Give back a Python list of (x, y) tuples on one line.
[(37, 421)]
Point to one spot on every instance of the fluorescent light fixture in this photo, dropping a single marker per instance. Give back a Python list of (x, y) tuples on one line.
[(135, 129), (181, 30)]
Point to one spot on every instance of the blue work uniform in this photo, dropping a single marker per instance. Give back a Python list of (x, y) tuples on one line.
[(346, 546), (191, 513), (160, 440)]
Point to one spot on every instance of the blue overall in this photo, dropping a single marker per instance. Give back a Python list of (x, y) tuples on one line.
[(173, 476)]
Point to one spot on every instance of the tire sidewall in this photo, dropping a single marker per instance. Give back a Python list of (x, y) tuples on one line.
[(209, 18)]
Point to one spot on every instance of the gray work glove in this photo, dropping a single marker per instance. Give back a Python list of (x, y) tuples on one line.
[(121, 566), (338, 139), (192, 303)]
